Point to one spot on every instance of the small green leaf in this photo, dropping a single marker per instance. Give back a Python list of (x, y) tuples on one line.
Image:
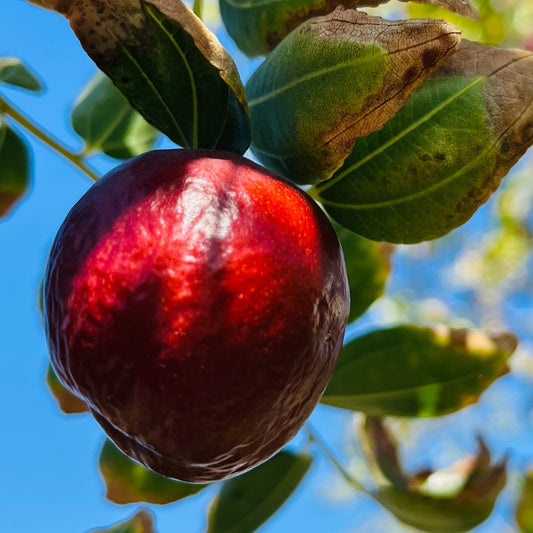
[(367, 266), (105, 120), (14, 168), (68, 402), (417, 371), (141, 522), (14, 72), (429, 169), (258, 26), (169, 66), (524, 509), (128, 482), (335, 79), (247, 501)]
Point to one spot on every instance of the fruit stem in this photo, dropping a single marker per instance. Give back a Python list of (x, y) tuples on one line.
[(316, 439), (18, 116), (197, 8)]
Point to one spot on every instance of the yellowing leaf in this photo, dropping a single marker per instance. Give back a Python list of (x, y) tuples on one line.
[(141, 522), (68, 402), (333, 80)]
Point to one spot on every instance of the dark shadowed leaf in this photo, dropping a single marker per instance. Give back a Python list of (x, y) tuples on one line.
[(128, 482), (14, 72), (335, 79), (367, 265), (169, 66), (247, 501), (14, 168), (429, 169), (258, 26), (68, 402), (141, 522), (105, 120), (417, 371), (524, 510)]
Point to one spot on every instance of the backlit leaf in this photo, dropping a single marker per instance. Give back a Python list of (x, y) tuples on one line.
[(68, 402), (429, 169), (335, 79), (141, 522), (258, 26), (106, 121), (367, 267), (417, 371), (169, 66), (524, 510), (14, 72), (247, 501), (128, 482), (14, 168)]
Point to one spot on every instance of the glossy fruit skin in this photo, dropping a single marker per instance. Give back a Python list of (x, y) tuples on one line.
[(197, 303)]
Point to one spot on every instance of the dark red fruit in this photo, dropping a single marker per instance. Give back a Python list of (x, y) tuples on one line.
[(197, 303)]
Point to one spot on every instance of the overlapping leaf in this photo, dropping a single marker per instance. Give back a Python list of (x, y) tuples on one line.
[(247, 501), (169, 66), (335, 79), (14, 72), (417, 371), (429, 169), (68, 402), (367, 266), (106, 121), (258, 26), (141, 522), (465, 494), (128, 482), (14, 168)]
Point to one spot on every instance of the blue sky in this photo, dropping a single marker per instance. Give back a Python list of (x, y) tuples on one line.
[(48, 461)]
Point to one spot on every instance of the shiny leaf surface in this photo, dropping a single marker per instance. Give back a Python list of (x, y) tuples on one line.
[(417, 371), (14, 72)]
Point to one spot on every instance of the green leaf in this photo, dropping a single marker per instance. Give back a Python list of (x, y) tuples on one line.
[(417, 371), (105, 120), (169, 66), (367, 267), (335, 79), (258, 26), (68, 402), (14, 72), (247, 501), (14, 168), (141, 522), (524, 509), (128, 482), (429, 169)]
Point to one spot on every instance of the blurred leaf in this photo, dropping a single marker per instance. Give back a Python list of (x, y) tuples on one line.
[(141, 522), (524, 510), (367, 266), (106, 121), (128, 482), (14, 72), (429, 169), (247, 501), (14, 168), (465, 494), (334, 79), (417, 371), (68, 402), (169, 66), (258, 26)]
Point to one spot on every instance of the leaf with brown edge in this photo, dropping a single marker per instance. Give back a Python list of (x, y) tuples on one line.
[(141, 522), (168, 65), (128, 482), (68, 402), (444, 153), (258, 26), (335, 79)]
